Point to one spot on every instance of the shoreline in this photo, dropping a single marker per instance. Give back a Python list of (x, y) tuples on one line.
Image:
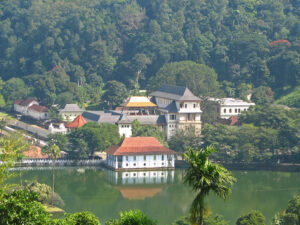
[(282, 167)]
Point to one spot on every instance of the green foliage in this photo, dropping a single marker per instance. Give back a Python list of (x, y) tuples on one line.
[(92, 137), (132, 217), (210, 111), (14, 89), (59, 139), (211, 220), (291, 215), (253, 218), (292, 99), (139, 130), (115, 93), (21, 207), (204, 176), (11, 148), (44, 192), (86, 218), (201, 79), (262, 95), (266, 131), (184, 139)]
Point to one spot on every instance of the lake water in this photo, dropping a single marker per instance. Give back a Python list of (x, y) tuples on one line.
[(162, 194)]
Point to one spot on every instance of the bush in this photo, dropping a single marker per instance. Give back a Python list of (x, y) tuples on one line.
[(132, 217)]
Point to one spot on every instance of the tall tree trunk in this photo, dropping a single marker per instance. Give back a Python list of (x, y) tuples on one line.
[(53, 175)]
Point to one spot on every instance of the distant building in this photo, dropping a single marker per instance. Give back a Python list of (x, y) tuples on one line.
[(229, 107), (30, 107), (70, 112), (180, 107), (139, 153), (139, 104), (60, 129), (79, 121)]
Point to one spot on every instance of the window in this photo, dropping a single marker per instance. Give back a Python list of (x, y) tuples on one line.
[(162, 157), (224, 110), (172, 117), (185, 105), (134, 164), (235, 110), (126, 165), (162, 164), (134, 174), (244, 109), (144, 164), (194, 105), (239, 110), (134, 158), (144, 174), (155, 157), (181, 105), (144, 158), (126, 158), (230, 111)]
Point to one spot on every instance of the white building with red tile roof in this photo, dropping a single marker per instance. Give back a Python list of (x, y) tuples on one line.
[(30, 107), (140, 153)]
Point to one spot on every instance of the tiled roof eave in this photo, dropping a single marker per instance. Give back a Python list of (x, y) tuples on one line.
[(144, 153)]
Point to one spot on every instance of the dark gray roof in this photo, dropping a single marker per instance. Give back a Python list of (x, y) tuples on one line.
[(72, 108), (143, 119), (175, 93), (171, 108), (105, 116)]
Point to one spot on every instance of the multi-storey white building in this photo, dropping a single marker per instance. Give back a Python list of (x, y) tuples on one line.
[(30, 107), (140, 153), (229, 107), (70, 112), (180, 107)]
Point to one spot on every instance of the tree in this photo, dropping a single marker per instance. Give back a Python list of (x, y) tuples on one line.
[(132, 217), (22, 207), (204, 176), (44, 192), (253, 218), (86, 218), (115, 93), (201, 79), (3, 123), (59, 139), (14, 89), (92, 137), (139, 130), (53, 152), (290, 216), (184, 139), (11, 148)]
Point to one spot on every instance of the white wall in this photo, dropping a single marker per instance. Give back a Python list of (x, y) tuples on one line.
[(125, 130), (70, 116), (134, 162), (162, 102), (193, 107), (235, 110), (37, 115)]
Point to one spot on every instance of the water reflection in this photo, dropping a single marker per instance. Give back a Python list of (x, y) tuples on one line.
[(140, 177), (131, 184)]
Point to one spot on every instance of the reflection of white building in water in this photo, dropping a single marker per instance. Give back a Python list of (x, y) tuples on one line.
[(140, 153), (140, 177)]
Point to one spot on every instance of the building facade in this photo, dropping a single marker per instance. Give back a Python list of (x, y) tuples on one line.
[(140, 153), (70, 112), (30, 107), (229, 107), (180, 107)]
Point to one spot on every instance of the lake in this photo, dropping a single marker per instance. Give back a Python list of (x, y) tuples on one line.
[(162, 194)]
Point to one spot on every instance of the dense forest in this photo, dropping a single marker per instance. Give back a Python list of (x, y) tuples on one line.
[(66, 51)]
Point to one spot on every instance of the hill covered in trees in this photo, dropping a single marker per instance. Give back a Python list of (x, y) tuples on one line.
[(66, 51)]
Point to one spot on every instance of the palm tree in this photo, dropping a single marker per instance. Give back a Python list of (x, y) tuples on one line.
[(54, 153), (204, 176)]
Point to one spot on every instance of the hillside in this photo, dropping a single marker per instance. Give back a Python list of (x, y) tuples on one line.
[(66, 51)]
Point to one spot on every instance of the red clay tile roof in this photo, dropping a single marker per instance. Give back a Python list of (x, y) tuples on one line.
[(234, 120), (79, 121), (139, 146), (27, 101), (18, 101), (38, 108), (35, 153)]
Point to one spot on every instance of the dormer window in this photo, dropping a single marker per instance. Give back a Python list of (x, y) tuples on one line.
[(172, 117)]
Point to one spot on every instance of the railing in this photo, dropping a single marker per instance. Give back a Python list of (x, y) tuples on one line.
[(59, 162)]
